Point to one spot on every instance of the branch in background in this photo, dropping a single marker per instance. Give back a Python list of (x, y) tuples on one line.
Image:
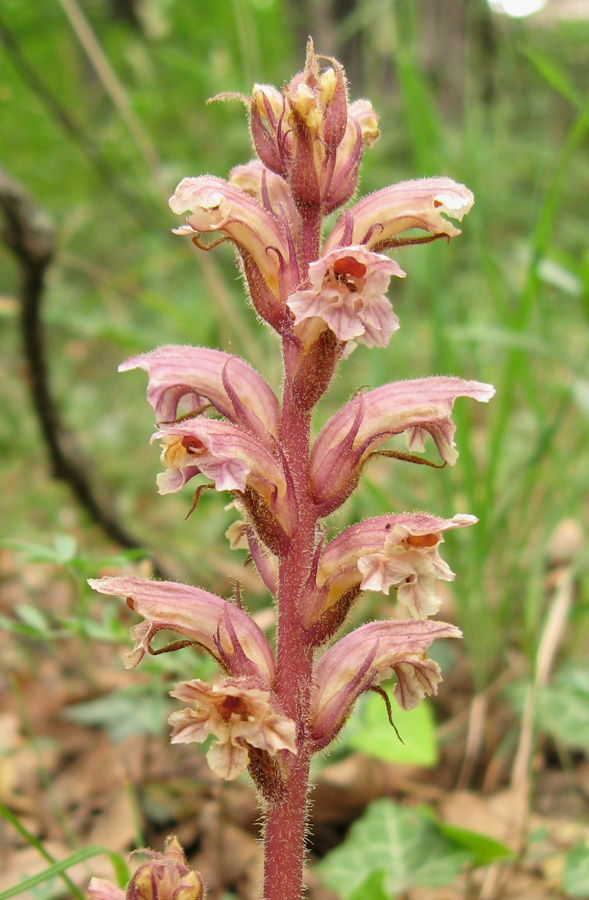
[(30, 236), (134, 205)]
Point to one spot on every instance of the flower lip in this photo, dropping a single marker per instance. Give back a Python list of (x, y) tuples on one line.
[(239, 715), (347, 293)]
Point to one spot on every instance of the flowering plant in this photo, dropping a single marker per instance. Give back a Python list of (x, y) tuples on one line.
[(217, 417)]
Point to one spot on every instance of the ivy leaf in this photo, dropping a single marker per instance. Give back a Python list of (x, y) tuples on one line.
[(401, 843)]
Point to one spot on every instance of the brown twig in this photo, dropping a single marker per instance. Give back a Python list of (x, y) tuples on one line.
[(30, 236)]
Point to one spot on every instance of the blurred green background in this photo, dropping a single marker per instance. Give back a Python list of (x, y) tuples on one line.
[(103, 110)]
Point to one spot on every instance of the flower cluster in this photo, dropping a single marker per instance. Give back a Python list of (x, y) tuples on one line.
[(218, 419)]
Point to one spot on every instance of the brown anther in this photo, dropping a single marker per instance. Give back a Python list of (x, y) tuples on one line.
[(231, 705), (422, 540)]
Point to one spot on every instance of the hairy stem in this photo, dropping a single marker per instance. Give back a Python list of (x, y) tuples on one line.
[(284, 835)]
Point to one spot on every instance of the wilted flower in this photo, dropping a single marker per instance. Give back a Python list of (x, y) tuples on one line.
[(239, 715), (347, 294), (165, 876)]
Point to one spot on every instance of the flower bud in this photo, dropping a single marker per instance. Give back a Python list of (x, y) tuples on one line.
[(165, 876)]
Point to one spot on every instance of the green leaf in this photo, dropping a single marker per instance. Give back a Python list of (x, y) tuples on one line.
[(400, 842), (34, 618), (370, 732), (372, 888), (575, 879), (484, 849)]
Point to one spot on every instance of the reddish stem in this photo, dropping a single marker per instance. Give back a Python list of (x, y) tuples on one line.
[(284, 834)]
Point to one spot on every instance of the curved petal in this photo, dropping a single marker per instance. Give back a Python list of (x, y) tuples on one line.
[(362, 425), (216, 205), (367, 656), (380, 217), (195, 375), (217, 625)]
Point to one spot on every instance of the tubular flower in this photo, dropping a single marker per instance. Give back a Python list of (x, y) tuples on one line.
[(347, 294), (165, 876), (239, 715), (355, 432), (216, 625), (377, 554), (368, 655), (184, 381), (234, 461), (260, 237), (378, 220)]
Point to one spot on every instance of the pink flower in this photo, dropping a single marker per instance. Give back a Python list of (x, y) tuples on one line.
[(378, 219), (368, 655), (185, 381), (165, 876), (347, 293), (388, 551), (216, 625), (240, 717), (234, 461), (262, 239), (355, 432)]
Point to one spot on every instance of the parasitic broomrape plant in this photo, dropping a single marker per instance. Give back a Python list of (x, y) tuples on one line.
[(217, 418)]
